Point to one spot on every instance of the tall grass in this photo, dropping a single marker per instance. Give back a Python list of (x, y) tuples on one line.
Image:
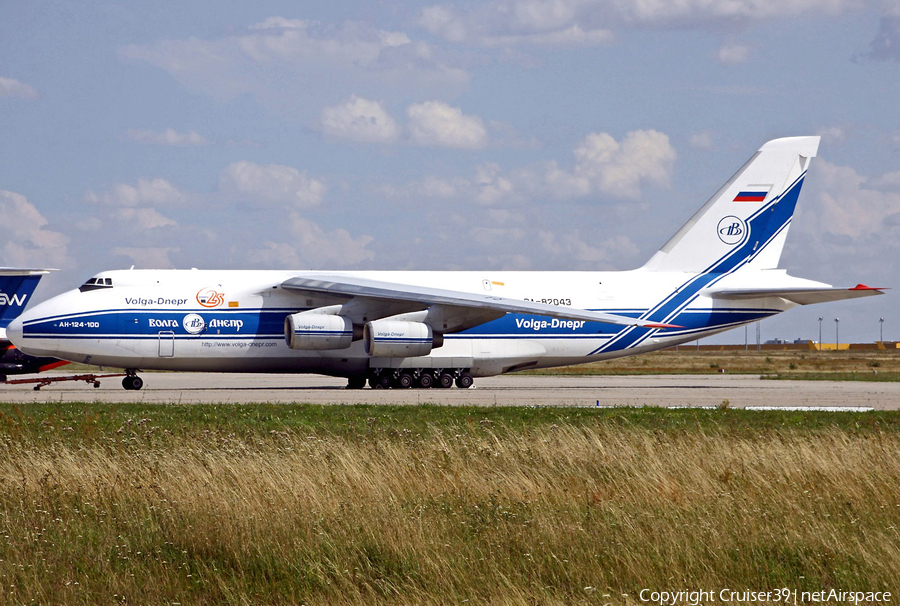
[(554, 514)]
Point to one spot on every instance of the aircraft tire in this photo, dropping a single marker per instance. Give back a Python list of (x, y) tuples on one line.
[(380, 382), (132, 382), (405, 380), (444, 381), (356, 382), (464, 381), (426, 380)]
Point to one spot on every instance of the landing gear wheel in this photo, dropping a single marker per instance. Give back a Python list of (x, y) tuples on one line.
[(445, 381), (356, 382), (132, 383), (426, 380), (380, 382), (405, 380), (464, 381)]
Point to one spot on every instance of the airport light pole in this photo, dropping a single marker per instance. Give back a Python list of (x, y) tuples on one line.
[(837, 323), (820, 333), (881, 330)]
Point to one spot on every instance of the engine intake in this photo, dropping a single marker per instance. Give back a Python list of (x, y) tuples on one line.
[(318, 331), (396, 339)]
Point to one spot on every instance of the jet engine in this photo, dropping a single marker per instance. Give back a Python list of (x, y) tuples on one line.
[(318, 331), (396, 339)]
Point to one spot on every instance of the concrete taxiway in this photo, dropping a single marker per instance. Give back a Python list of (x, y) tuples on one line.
[(511, 390)]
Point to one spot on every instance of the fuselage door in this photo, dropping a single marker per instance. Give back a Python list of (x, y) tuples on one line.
[(166, 344)]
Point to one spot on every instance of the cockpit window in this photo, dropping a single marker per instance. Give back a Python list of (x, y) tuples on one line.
[(95, 283)]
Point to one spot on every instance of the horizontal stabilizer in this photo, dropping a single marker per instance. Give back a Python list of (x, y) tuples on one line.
[(800, 296), (423, 296)]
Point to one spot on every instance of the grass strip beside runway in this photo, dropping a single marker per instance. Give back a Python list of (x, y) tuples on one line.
[(270, 504), (861, 365)]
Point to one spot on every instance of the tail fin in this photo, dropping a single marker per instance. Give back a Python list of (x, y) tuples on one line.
[(16, 286), (747, 220)]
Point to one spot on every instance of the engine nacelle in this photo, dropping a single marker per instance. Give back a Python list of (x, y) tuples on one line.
[(318, 331), (396, 339)]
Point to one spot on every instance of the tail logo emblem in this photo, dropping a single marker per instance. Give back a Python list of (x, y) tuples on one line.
[(731, 230), (16, 300)]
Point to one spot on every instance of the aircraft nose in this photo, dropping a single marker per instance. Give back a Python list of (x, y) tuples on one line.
[(14, 332)]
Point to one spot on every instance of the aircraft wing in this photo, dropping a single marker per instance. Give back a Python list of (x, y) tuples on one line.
[(484, 306), (801, 296)]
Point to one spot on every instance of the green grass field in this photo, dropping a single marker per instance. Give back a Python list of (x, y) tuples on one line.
[(291, 504), (862, 365)]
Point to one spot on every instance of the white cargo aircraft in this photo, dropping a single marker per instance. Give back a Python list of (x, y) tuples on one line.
[(431, 329)]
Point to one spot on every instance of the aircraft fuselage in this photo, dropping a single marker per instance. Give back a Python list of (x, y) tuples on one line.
[(233, 321)]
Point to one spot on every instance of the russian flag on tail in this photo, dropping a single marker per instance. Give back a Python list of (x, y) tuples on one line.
[(751, 196)]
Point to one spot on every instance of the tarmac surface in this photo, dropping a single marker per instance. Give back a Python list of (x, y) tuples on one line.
[(510, 390)]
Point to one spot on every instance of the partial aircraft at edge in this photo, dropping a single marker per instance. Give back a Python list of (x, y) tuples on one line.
[(16, 287), (431, 329)]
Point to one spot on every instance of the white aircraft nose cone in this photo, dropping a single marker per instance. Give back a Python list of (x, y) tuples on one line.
[(14, 332)]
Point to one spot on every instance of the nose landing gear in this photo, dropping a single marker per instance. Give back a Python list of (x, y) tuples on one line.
[(132, 382)]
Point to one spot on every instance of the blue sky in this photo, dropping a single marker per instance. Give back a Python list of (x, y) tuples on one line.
[(514, 134)]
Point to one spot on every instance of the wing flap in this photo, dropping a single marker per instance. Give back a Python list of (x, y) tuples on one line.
[(423, 297), (800, 296)]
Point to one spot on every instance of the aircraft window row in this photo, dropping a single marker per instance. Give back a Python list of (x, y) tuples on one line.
[(95, 283)]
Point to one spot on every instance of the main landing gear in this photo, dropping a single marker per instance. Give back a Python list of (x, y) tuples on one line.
[(422, 378), (132, 382)]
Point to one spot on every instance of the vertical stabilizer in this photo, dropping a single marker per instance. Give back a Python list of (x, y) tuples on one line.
[(16, 286), (747, 220)]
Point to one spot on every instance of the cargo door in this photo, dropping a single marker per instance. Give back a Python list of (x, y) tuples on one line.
[(166, 344)]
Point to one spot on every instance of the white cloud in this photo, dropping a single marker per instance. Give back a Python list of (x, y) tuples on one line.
[(491, 185), (360, 120), (847, 227), (561, 23), (608, 254), (849, 205), (26, 240), (142, 218), (572, 36), (488, 235), (888, 182), (620, 168), (292, 65), (271, 183), (704, 139), (436, 123), (14, 88), (167, 137), (834, 133), (321, 247), (147, 192), (505, 24), (147, 257), (603, 166), (311, 247), (732, 54)]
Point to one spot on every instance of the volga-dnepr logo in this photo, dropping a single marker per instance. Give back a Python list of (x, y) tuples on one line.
[(731, 230), (193, 324)]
